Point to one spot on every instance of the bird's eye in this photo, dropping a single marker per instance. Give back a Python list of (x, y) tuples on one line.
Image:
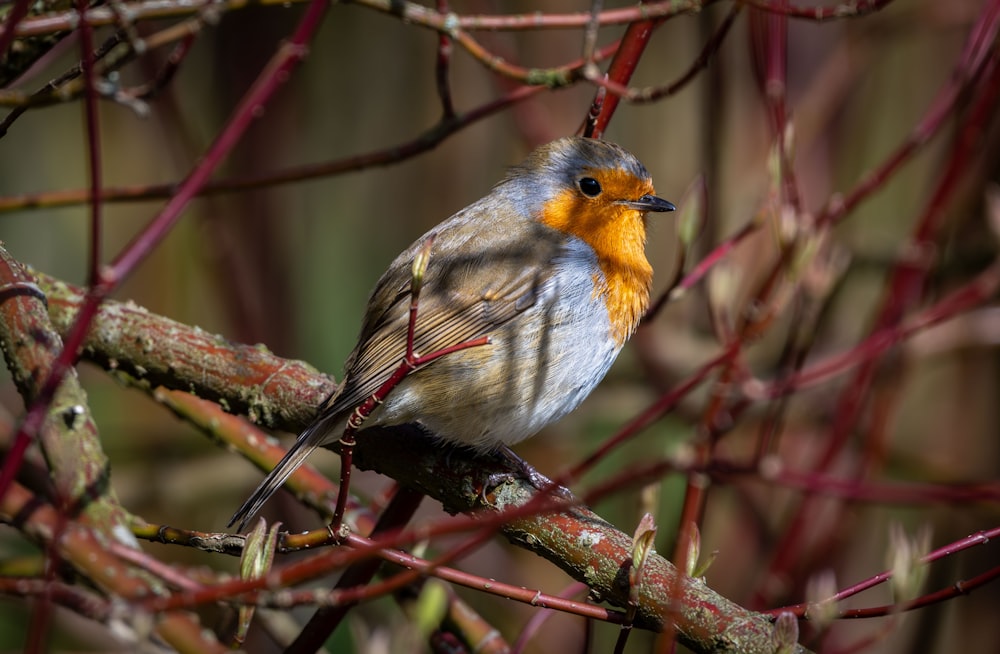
[(590, 186)]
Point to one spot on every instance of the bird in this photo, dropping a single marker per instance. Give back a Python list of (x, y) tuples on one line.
[(550, 265)]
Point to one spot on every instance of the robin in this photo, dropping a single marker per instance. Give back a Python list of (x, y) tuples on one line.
[(550, 265)]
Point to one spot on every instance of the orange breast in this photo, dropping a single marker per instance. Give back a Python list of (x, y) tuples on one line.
[(617, 235)]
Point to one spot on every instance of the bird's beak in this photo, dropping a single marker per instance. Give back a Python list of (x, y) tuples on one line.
[(651, 203)]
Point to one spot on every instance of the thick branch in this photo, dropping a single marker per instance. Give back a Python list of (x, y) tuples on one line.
[(156, 351)]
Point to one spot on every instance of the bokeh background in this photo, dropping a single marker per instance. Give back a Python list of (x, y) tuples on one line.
[(290, 266)]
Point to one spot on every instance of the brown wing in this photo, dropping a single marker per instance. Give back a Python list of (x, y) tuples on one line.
[(470, 289)]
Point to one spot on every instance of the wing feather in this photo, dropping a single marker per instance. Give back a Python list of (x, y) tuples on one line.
[(448, 314)]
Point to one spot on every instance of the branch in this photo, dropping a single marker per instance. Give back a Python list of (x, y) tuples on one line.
[(153, 351)]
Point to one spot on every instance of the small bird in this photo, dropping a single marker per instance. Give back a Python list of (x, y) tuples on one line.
[(550, 265)]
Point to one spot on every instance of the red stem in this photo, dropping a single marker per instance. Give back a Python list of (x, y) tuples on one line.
[(979, 538), (622, 67), (962, 587)]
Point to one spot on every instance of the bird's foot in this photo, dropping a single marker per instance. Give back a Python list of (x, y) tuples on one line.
[(525, 471)]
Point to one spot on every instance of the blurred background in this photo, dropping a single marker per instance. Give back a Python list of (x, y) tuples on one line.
[(290, 266)]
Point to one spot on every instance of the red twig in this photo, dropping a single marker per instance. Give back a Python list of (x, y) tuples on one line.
[(979, 538), (959, 588), (484, 524), (720, 252), (769, 50), (633, 44), (534, 597)]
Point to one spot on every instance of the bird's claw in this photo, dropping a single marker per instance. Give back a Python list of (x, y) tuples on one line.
[(526, 472)]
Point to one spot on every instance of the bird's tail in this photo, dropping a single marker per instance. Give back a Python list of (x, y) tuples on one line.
[(307, 441)]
